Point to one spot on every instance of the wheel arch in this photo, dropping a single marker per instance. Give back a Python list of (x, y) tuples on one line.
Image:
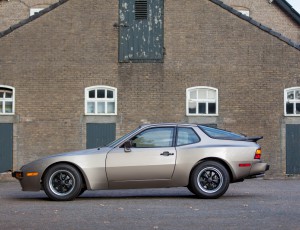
[(221, 161), (83, 176)]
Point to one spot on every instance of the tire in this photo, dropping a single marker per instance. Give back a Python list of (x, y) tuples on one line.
[(209, 180), (62, 182), (82, 191)]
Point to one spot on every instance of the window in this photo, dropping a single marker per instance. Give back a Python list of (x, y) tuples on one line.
[(292, 101), (154, 138), (202, 101), (6, 100), (33, 11), (186, 136), (101, 100), (221, 134)]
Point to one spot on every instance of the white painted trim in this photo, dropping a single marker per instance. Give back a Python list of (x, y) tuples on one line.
[(286, 100), (34, 11), (13, 100), (216, 100), (105, 87)]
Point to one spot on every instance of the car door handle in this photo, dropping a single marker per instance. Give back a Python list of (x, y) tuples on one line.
[(167, 154)]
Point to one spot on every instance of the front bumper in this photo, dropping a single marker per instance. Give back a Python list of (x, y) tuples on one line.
[(17, 174), (30, 181)]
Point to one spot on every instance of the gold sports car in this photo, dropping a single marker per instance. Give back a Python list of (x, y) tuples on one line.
[(203, 159)]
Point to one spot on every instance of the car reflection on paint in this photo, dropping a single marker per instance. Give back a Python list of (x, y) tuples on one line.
[(203, 159)]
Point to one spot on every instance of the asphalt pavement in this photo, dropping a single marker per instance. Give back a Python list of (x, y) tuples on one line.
[(252, 204)]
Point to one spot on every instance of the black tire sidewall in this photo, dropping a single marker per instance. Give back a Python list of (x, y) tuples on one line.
[(194, 180), (77, 187)]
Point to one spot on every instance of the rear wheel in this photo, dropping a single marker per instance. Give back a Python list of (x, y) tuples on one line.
[(62, 182), (209, 179)]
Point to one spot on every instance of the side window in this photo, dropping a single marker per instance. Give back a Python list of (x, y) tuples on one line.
[(6, 100), (154, 138), (201, 100), (292, 101), (186, 136)]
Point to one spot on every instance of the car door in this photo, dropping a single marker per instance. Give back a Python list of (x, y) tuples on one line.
[(151, 157)]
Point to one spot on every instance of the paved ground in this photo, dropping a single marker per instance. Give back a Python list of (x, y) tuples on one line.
[(253, 204)]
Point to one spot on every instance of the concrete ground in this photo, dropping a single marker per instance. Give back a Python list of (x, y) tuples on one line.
[(252, 204)]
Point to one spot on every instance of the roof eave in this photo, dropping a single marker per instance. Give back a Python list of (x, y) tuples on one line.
[(284, 5), (257, 24)]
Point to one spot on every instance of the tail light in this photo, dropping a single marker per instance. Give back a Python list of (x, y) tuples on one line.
[(257, 154)]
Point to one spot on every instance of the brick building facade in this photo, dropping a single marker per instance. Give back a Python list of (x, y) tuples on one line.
[(50, 65), (269, 14), (14, 11), (266, 12)]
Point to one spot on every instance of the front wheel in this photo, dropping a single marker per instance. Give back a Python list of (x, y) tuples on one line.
[(209, 179), (62, 182)]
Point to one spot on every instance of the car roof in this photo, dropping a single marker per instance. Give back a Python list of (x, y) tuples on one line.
[(167, 124)]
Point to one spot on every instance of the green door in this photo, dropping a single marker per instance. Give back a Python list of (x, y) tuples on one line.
[(99, 134), (6, 147), (292, 149)]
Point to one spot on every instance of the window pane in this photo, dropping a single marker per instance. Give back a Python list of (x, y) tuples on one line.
[(186, 136), (298, 108), (110, 94), (91, 107), (101, 107), (297, 94), (211, 94), (100, 93), (8, 95), (202, 94), (290, 95), (92, 94), (202, 108), (212, 108), (193, 94), (8, 107), (289, 108), (110, 107), (221, 134), (192, 107), (1, 95), (1, 106), (151, 138)]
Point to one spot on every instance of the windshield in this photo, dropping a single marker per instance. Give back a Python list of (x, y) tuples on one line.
[(121, 139), (221, 134)]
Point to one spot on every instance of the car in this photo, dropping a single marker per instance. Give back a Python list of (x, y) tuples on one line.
[(202, 158)]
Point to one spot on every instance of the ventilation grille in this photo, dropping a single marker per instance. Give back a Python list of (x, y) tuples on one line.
[(141, 10)]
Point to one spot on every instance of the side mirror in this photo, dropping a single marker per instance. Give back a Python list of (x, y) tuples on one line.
[(127, 146)]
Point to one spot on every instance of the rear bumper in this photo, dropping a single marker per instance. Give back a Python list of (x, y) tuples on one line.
[(258, 170)]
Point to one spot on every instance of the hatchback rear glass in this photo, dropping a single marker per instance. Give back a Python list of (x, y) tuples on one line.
[(221, 134)]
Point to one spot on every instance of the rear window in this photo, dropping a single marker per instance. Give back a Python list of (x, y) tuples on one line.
[(221, 134)]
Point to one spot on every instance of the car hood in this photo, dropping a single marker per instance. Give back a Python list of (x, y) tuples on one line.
[(81, 152), (45, 161)]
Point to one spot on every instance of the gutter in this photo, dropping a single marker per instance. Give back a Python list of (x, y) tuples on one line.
[(285, 6)]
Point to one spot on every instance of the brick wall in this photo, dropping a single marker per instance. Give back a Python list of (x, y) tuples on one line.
[(14, 11), (270, 15), (51, 60)]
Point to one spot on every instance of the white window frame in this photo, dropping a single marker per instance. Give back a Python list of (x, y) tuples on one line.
[(206, 101), (34, 11), (294, 101), (245, 12), (96, 100), (4, 100)]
